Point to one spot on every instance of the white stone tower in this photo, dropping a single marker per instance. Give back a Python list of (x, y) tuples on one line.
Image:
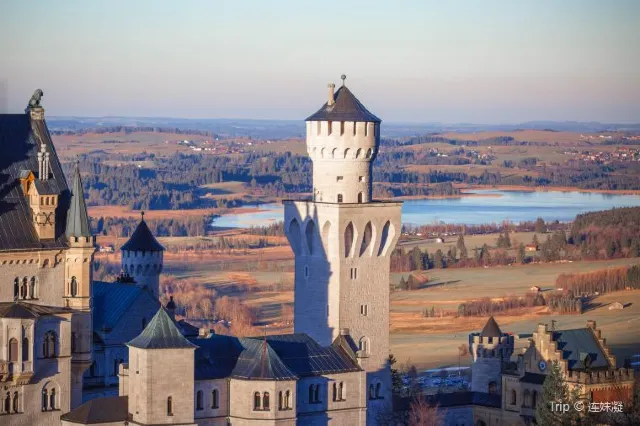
[(490, 348), (342, 241), (142, 258)]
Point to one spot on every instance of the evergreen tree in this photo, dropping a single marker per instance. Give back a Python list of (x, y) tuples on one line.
[(541, 227), (555, 390), (460, 243), (416, 259), (438, 259), (403, 284), (507, 239), (521, 254), (535, 241), (396, 378)]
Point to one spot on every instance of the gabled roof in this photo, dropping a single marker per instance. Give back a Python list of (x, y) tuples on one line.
[(142, 239), (111, 301), (25, 310), (285, 357), (491, 329), (77, 218), (161, 333), (110, 409), (576, 344), (345, 108), (20, 141)]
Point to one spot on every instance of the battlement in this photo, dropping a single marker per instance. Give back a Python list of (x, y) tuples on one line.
[(600, 376), (491, 347)]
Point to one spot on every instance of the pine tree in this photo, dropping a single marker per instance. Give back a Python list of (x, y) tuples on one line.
[(460, 243), (416, 259), (555, 390), (438, 259), (521, 255), (403, 284), (535, 241), (507, 239), (541, 227), (396, 378)]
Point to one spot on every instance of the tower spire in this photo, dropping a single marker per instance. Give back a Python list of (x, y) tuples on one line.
[(77, 217)]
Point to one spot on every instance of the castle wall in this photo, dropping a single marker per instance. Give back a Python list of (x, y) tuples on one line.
[(144, 267), (46, 266)]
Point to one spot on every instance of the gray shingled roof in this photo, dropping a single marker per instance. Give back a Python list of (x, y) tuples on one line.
[(25, 310), (161, 333), (19, 145), (284, 357), (576, 344), (142, 239), (77, 218), (112, 300), (491, 329), (111, 409), (345, 108)]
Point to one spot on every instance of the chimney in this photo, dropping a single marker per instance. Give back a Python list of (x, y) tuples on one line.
[(331, 100), (171, 308)]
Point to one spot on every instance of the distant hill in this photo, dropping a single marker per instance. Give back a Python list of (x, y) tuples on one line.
[(281, 129)]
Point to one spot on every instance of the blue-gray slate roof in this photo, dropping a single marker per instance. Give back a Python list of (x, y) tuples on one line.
[(575, 344), (346, 107), (161, 333), (142, 239), (279, 357), (77, 218), (111, 301), (20, 141)]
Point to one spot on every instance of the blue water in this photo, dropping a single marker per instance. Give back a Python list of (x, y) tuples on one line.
[(514, 206)]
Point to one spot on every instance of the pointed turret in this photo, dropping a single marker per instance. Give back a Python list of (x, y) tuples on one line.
[(491, 329), (161, 333), (77, 217)]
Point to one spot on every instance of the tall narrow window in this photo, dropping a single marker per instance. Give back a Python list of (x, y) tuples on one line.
[(25, 349), (372, 394), (514, 397), (341, 392), (287, 400), (265, 401), (335, 391), (74, 287), (16, 403), (256, 401), (311, 395), (74, 344), (32, 293), (341, 128), (316, 394), (169, 406), (199, 405), (340, 198), (45, 399), (214, 398), (280, 401), (23, 288), (378, 390), (52, 399), (360, 197), (16, 289), (13, 350)]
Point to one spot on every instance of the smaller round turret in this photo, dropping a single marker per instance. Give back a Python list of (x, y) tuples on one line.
[(142, 257), (490, 349)]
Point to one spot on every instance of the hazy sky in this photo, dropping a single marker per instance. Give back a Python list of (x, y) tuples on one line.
[(451, 61)]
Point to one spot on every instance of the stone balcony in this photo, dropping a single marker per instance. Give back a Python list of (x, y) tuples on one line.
[(20, 373)]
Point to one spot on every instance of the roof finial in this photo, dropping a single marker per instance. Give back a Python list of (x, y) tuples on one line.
[(343, 77), (142, 215)]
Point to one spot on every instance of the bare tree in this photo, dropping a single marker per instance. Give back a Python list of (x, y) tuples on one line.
[(421, 413)]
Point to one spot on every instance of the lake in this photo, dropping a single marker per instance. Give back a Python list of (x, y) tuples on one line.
[(486, 206)]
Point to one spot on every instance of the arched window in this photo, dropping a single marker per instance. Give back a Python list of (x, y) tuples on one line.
[(534, 399), (45, 399), (199, 405), (372, 394), (341, 392), (311, 394), (340, 198), (74, 287), (514, 397), (348, 239), (287, 400), (13, 350), (369, 152), (265, 401), (33, 288), (360, 197), (378, 390), (335, 391), (527, 398), (214, 398), (295, 236), (346, 152), (387, 235), (16, 288), (49, 345), (310, 235), (7, 403), (363, 345), (24, 288), (280, 401), (493, 387), (256, 401), (169, 406), (25, 349), (367, 237), (316, 395), (358, 152), (16, 402)]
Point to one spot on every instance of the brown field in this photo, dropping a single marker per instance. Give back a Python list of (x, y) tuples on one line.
[(524, 135)]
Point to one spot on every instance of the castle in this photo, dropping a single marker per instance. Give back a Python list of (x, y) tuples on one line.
[(506, 391), (62, 330)]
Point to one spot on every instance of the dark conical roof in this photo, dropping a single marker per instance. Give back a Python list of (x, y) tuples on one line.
[(161, 333), (491, 329), (345, 108), (142, 239), (77, 217)]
